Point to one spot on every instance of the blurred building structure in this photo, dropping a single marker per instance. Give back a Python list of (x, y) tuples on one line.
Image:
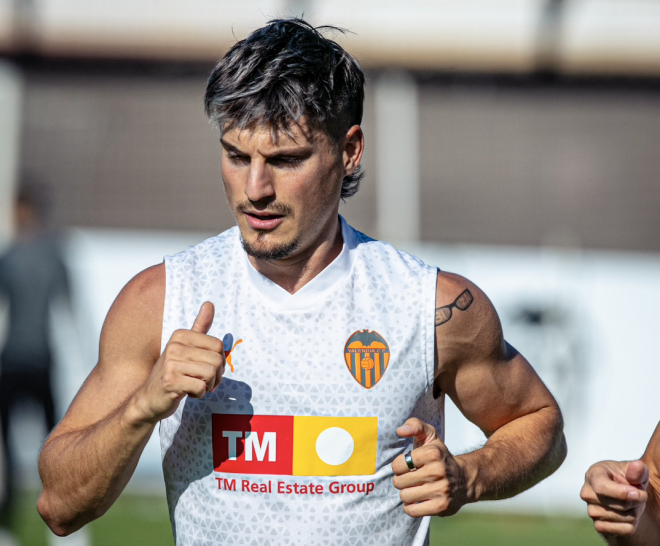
[(597, 36), (527, 123), (537, 119), (499, 161), (11, 95)]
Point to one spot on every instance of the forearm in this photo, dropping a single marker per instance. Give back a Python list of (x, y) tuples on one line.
[(515, 457), (84, 471)]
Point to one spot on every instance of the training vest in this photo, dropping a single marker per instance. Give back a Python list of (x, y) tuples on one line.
[(296, 444)]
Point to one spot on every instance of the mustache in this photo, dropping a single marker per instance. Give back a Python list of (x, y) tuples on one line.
[(276, 208)]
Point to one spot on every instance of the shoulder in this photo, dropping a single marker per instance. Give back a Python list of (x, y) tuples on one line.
[(467, 326), (146, 289), (215, 256), (459, 294), (129, 348), (652, 458), (208, 250), (134, 323), (388, 259)]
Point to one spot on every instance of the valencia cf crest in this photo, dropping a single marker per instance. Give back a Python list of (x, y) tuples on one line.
[(367, 355)]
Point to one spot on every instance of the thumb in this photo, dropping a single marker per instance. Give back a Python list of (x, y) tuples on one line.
[(637, 473), (204, 318), (421, 432)]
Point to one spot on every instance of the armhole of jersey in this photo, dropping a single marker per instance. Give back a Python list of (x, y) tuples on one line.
[(428, 326)]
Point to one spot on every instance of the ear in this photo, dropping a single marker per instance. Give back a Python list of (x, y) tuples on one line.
[(353, 148)]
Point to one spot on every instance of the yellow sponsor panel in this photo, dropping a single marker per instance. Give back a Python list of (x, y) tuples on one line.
[(334, 446)]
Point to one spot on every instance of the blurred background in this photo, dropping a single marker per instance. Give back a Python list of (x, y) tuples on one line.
[(512, 141)]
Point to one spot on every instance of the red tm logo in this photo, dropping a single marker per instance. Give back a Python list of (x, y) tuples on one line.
[(253, 444)]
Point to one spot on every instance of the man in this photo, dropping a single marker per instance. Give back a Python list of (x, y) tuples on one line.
[(32, 276), (623, 498), (336, 350)]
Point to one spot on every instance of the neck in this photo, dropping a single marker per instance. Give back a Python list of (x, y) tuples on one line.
[(296, 271)]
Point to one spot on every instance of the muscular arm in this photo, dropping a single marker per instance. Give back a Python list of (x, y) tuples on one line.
[(495, 388), (89, 458), (648, 530)]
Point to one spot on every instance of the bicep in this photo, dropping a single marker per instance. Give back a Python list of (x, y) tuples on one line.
[(652, 459), (652, 453), (129, 347), (494, 392), (488, 380)]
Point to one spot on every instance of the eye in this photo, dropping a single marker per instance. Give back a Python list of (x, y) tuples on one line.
[(238, 159), (291, 162)]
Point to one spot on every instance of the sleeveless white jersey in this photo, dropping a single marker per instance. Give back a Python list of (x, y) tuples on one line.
[(296, 444)]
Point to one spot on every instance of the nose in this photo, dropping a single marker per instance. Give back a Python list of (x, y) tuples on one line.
[(259, 184)]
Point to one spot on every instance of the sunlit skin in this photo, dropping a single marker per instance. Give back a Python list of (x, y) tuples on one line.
[(283, 191), (286, 190)]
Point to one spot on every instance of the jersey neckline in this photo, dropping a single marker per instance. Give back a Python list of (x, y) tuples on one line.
[(337, 270)]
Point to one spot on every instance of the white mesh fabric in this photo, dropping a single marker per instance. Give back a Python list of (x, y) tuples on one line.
[(291, 363)]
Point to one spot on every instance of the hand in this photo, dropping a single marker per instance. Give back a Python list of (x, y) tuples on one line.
[(192, 364), (437, 487), (615, 493)]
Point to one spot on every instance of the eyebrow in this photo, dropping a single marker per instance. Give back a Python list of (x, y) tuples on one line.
[(300, 152), (228, 146)]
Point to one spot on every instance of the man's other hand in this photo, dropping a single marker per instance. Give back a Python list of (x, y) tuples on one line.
[(615, 493), (437, 487), (192, 364)]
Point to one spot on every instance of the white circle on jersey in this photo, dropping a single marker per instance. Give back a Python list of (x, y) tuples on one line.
[(335, 446)]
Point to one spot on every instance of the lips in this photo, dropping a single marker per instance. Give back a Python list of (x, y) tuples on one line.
[(262, 221)]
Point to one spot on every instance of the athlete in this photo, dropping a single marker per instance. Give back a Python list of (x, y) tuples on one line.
[(296, 367), (32, 278), (623, 498)]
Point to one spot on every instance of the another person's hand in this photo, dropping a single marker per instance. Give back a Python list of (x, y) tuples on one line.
[(437, 487), (615, 493), (192, 364)]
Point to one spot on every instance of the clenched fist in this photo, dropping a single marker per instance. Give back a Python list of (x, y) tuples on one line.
[(192, 364), (437, 487), (615, 493)]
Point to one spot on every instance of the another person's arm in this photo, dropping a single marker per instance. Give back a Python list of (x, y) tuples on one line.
[(495, 388), (90, 456), (623, 498)]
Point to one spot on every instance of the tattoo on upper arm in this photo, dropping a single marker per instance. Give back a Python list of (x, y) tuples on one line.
[(462, 302)]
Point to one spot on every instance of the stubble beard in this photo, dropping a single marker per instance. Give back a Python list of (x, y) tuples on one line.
[(260, 249), (276, 252)]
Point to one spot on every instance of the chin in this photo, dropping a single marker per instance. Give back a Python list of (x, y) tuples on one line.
[(267, 250)]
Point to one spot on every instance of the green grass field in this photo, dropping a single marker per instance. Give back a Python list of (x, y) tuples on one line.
[(143, 521), (132, 521)]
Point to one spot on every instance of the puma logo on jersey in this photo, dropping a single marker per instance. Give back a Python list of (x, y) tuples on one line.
[(228, 346)]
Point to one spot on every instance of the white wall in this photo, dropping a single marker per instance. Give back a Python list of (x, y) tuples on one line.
[(596, 354), (596, 351)]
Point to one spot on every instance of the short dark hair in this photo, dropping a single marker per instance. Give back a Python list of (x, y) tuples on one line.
[(283, 72)]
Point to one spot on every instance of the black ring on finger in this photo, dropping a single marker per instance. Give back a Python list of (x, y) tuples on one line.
[(409, 461)]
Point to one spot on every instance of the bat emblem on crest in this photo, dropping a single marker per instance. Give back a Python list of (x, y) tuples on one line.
[(367, 355)]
